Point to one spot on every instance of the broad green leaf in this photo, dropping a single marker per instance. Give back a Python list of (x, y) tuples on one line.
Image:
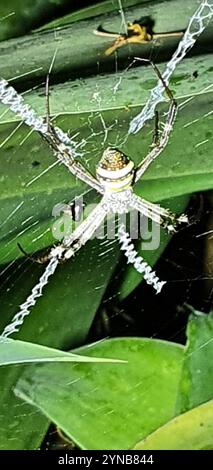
[(189, 431), (196, 385), (21, 427), (92, 11), (21, 352), (81, 52), (108, 406), (20, 16)]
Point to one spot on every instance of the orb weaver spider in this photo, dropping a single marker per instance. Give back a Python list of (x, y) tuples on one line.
[(115, 177)]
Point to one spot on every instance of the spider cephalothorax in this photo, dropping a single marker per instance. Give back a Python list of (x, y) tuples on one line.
[(115, 170)]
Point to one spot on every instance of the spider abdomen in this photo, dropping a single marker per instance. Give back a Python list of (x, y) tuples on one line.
[(115, 171)]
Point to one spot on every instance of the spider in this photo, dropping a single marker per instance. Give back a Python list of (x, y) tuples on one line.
[(115, 178)]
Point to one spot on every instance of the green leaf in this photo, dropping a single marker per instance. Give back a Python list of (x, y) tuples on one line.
[(60, 319), (63, 315), (19, 16), (80, 50), (21, 352), (190, 431), (119, 403), (91, 11), (196, 385)]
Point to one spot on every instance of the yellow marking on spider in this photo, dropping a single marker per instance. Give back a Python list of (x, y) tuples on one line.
[(115, 170), (138, 32)]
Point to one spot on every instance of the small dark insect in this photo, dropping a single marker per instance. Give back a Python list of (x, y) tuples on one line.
[(195, 74), (35, 163)]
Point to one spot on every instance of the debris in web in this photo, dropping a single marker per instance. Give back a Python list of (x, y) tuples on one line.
[(196, 26)]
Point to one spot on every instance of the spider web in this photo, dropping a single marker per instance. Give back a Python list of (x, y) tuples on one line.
[(180, 263), (196, 26)]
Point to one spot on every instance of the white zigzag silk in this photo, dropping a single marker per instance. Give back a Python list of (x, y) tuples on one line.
[(138, 262)]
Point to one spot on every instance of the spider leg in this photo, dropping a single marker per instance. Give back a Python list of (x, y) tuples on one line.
[(119, 42), (64, 154), (50, 127), (35, 259), (163, 140), (155, 139), (72, 243), (168, 34), (62, 252), (61, 151), (158, 214), (59, 141), (99, 31), (47, 95), (84, 231)]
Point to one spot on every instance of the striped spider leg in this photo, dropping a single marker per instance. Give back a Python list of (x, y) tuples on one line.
[(57, 254), (159, 143), (155, 212), (62, 146)]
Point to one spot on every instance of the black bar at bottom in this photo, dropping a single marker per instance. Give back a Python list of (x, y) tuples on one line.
[(92, 459)]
